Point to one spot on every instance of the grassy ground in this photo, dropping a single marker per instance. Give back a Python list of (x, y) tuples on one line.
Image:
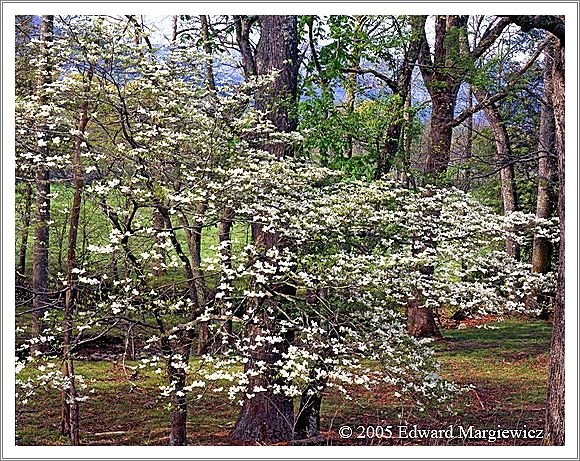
[(506, 365)]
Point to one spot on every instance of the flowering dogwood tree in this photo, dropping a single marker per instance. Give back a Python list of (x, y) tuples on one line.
[(316, 303)]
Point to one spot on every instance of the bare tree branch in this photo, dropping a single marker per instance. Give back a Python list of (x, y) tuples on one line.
[(552, 24), (389, 81), (489, 37), (500, 95)]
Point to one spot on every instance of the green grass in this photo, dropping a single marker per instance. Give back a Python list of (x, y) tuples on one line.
[(509, 361), (507, 366)]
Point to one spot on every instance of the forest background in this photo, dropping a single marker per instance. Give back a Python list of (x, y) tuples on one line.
[(360, 169)]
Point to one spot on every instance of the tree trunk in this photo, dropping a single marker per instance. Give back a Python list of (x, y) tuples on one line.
[(468, 142), (40, 300), (308, 418), (225, 235), (203, 338), (174, 22), (440, 133), (509, 199), (443, 73), (70, 405), (542, 248), (25, 230), (349, 102), (506, 173), (405, 170), (554, 429), (421, 321), (268, 416), (159, 225), (443, 86), (207, 48), (193, 270), (177, 376), (390, 151), (193, 235), (277, 49), (178, 434)]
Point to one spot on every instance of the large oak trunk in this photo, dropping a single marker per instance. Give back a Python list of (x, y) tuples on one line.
[(266, 417), (440, 131), (421, 321), (554, 429), (269, 416), (277, 50)]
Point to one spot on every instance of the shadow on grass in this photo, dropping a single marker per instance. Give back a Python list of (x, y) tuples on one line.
[(509, 339)]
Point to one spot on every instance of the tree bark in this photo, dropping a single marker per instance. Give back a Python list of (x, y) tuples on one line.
[(40, 301), (442, 82), (266, 417), (421, 321), (207, 48), (504, 158), (277, 50), (390, 150), (174, 22), (554, 429), (177, 376), (468, 142), (308, 420), (439, 141), (308, 417), (405, 176), (554, 432), (70, 405), (542, 248), (26, 214), (178, 434), (243, 26), (269, 416), (349, 103), (443, 74), (193, 236), (225, 236), (159, 225)]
